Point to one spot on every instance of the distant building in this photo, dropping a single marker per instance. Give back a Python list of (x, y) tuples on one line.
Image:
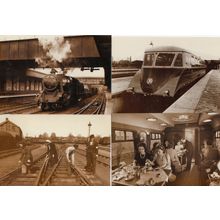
[(11, 128)]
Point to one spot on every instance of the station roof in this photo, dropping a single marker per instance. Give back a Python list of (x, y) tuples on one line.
[(86, 50)]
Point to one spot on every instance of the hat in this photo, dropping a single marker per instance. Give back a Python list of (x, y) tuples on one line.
[(48, 141)]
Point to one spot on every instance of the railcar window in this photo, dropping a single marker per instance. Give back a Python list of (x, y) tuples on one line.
[(129, 136), (179, 60), (164, 59), (149, 59), (119, 135)]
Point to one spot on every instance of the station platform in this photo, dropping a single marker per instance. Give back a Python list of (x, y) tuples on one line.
[(109, 104), (204, 96), (16, 96)]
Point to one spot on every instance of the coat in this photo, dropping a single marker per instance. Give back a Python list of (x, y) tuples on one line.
[(26, 157)]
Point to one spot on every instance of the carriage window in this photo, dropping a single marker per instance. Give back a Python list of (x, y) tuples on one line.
[(179, 60), (155, 136), (129, 136), (217, 134), (119, 135), (143, 136), (149, 59), (164, 59)]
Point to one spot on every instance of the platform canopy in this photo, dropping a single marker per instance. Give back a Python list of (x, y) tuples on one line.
[(82, 51)]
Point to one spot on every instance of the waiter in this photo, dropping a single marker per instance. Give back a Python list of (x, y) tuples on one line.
[(189, 152)]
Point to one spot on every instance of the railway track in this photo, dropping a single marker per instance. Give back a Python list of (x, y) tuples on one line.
[(7, 153), (63, 175), (96, 106), (10, 152), (58, 175), (16, 178), (14, 109)]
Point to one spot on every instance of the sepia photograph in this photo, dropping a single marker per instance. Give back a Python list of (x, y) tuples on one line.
[(52, 150), (166, 149), (165, 74), (55, 74)]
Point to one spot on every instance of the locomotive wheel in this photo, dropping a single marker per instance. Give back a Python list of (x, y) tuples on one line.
[(43, 106), (66, 104), (66, 100), (54, 106)]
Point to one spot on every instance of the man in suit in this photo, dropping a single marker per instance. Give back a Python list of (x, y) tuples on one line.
[(92, 154), (189, 152), (52, 153)]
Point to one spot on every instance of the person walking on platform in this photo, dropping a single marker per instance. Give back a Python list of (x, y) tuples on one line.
[(26, 159), (189, 152), (92, 154), (52, 153)]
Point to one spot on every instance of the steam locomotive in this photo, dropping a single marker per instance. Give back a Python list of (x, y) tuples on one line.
[(59, 91), (166, 71)]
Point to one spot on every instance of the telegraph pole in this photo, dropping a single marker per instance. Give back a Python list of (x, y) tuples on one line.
[(89, 125)]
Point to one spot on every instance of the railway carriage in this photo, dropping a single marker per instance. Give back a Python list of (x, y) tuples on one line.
[(166, 71), (177, 135)]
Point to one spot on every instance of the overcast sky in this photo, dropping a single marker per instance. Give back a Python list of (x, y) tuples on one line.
[(62, 125), (124, 47)]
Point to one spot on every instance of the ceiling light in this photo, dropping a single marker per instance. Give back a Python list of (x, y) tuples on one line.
[(163, 124), (151, 119), (207, 120), (213, 113), (184, 117)]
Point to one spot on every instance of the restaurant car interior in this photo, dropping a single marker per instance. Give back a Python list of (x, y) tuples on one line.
[(166, 149)]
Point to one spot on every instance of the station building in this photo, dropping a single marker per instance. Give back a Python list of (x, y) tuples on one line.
[(11, 128)]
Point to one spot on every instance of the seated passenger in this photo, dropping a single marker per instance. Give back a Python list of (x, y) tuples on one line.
[(179, 147), (141, 156), (209, 159), (209, 154), (175, 163), (215, 175), (162, 160)]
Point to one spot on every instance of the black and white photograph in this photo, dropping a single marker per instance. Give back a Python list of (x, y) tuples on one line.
[(48, 150), (165, 74), (166, 149), (55, 74)]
